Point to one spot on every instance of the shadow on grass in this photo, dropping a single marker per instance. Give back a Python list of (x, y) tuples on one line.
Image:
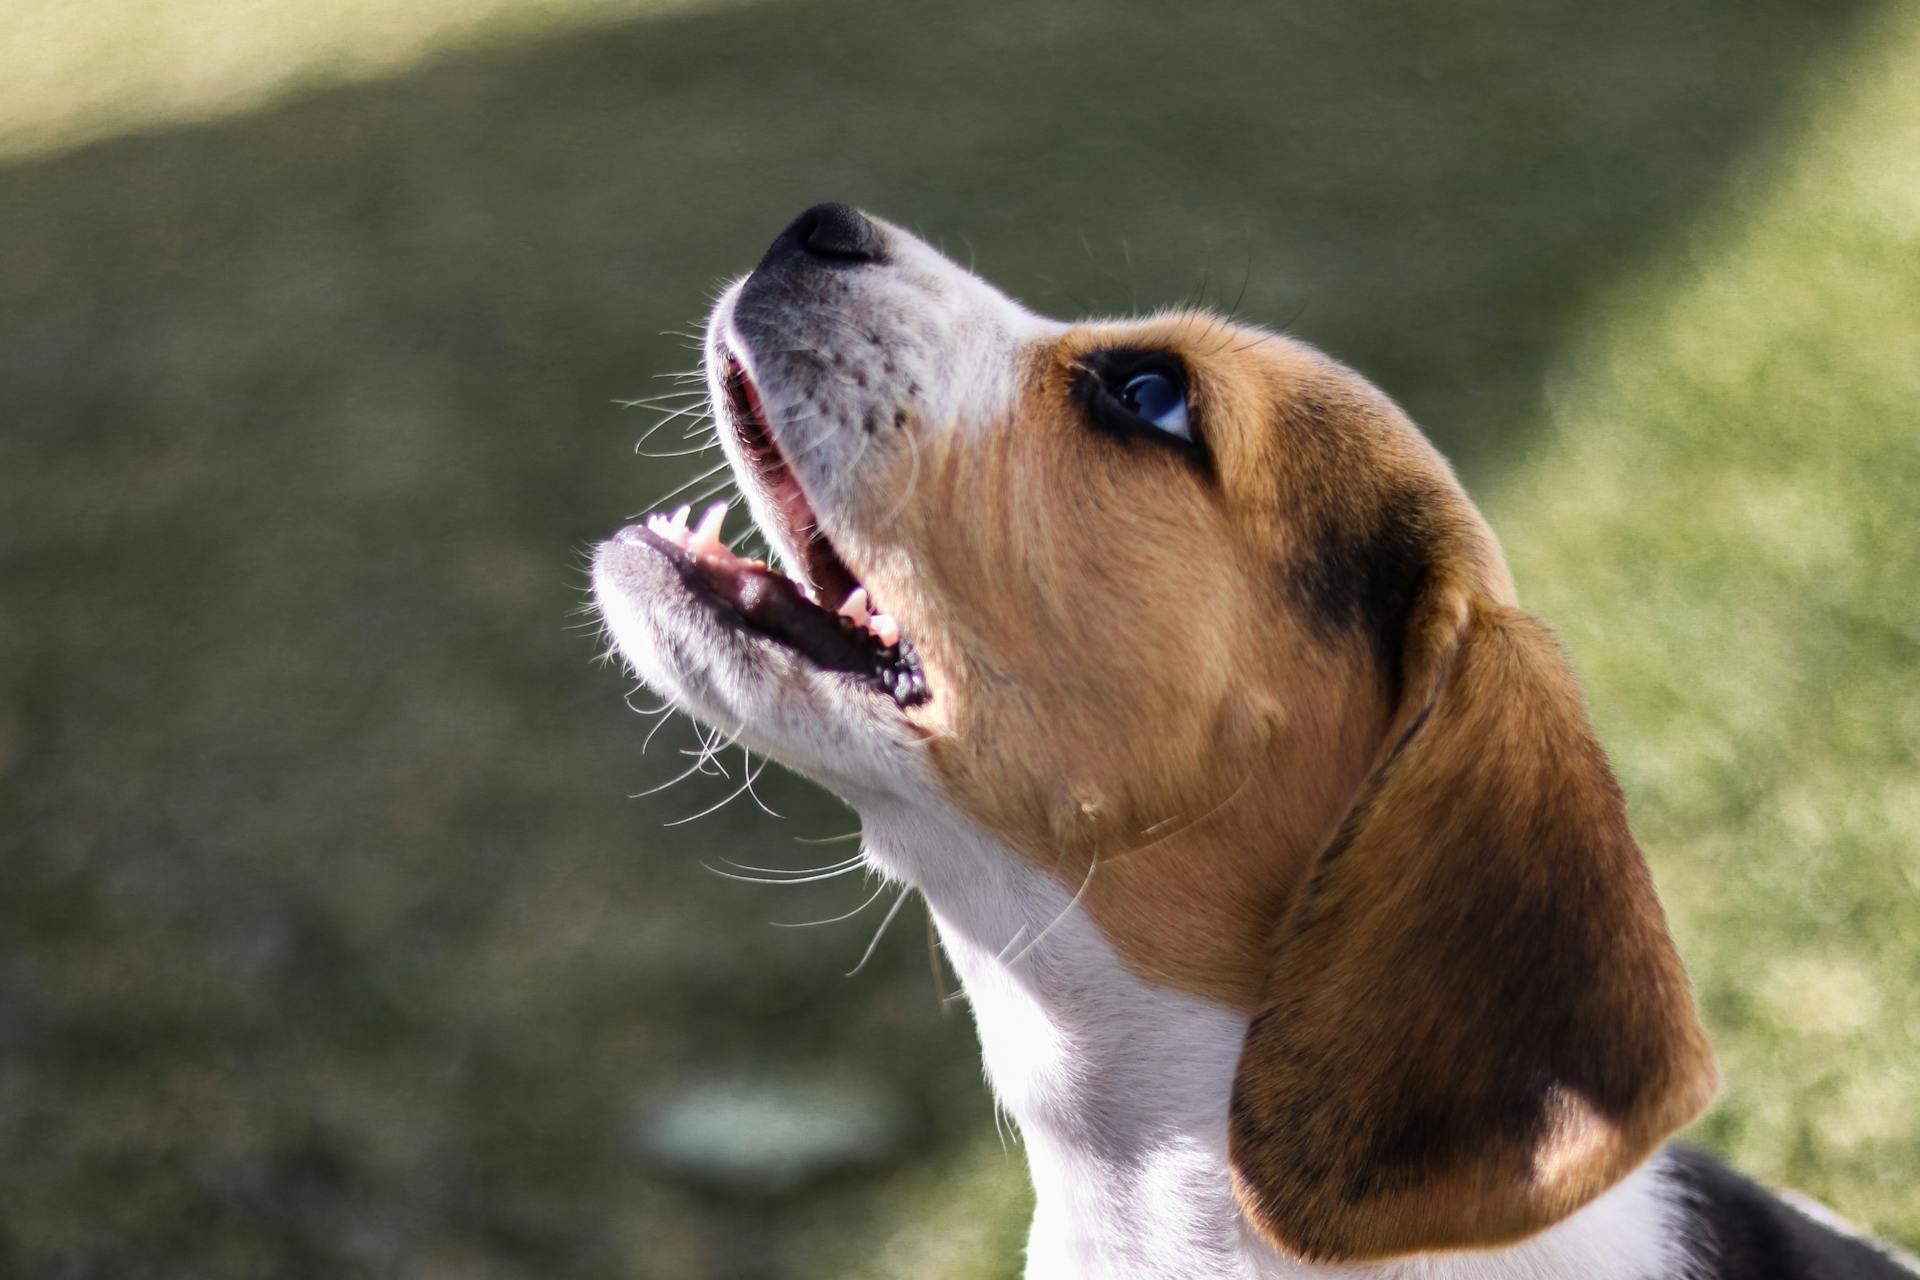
[(330, 941)]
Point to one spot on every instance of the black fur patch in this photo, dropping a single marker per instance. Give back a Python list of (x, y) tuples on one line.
[(1743, 1232), (1368, 576)]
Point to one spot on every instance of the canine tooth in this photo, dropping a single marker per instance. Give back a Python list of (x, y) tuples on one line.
[(663, 528), (706, 539), (679, 520), (855, 607), (884, 628)]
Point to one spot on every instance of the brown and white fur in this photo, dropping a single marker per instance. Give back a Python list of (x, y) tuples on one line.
[(1292, 893)]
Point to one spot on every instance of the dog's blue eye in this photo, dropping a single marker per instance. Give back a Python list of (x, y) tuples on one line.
[(1156, 398)]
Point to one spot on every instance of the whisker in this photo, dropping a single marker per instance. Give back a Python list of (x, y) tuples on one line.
[(664, 398), (651, 711), (881, 932), (710, 749), (697, 414), (797, 871), (758, 880), (662, 723), (1065, 911), (678, 777), (753, 776), (941, 997), (713, 492), (715, 807), (708, 447), (675, 492), (694, 408), (1238, 789), (809, 924), (851, 835), (1246, 276)]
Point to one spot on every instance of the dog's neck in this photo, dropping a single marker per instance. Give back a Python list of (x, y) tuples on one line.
[(1120, 1090)]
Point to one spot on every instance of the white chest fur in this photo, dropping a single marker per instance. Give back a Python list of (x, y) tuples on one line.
[(1120, 1090)]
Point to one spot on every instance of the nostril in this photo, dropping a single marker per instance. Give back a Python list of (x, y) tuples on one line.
[(834, 231), (840, 231)]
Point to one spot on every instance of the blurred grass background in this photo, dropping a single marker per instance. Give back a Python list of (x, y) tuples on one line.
[(330, 942)]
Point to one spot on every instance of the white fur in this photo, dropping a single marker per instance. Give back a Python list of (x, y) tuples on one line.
[(1120, 1091), (1119, 1088)]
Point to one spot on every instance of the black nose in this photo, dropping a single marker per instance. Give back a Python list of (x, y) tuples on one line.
[(832, 232)]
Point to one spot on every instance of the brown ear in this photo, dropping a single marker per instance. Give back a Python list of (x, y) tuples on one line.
[(1474, 1022)]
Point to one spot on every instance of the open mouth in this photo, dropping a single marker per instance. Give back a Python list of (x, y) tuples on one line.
[(850, 636)]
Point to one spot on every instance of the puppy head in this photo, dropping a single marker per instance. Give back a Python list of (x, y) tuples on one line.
[(1195, 619)]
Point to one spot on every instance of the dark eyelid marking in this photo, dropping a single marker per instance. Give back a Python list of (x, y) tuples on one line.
[(1095, 388)]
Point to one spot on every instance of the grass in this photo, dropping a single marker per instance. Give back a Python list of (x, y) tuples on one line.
[(81, 72), (1718, 522), (331, 944)]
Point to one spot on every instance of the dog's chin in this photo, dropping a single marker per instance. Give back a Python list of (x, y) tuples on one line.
[(746, 655)]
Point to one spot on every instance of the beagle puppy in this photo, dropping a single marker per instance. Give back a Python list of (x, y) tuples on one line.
[(1290, 888)]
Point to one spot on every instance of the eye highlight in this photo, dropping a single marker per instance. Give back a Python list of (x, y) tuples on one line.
[(1140, 394), (1154, 397)]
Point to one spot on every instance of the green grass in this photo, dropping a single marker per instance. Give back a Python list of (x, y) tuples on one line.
[(331, 944), (80, 72), (1721, 520)]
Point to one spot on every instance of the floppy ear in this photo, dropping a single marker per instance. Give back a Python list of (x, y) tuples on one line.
[(1474, 1022)]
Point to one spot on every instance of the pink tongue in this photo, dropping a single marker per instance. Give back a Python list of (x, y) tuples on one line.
[(772, 603), (703, 542)]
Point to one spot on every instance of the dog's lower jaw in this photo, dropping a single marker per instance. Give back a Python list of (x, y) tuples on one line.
[(1120, 1090)]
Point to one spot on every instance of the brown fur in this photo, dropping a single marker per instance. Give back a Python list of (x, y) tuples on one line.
[(1277, 724), (1476, 1022)]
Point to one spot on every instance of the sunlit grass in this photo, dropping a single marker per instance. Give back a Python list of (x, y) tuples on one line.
[(1722, 523), (78, 71)]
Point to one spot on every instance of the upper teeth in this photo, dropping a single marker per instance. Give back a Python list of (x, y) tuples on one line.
[(706, 538), (704, 541)]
